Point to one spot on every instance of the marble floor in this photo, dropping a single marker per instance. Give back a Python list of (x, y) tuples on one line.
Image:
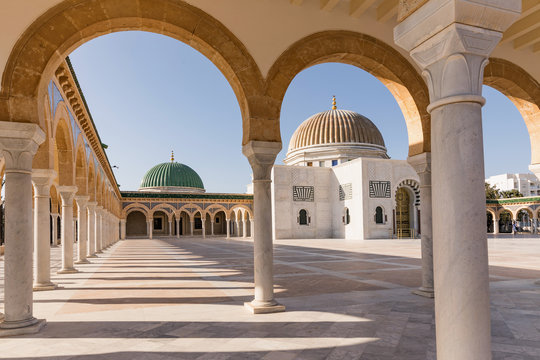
[(182, 299)]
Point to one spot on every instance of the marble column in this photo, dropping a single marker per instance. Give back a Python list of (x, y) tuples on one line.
[(212, 226), (244, 228), (451, 43), (178, 228), (91, 206), (261, 156), (122, 229), (238, 228), (495, 226), (252, 227), (170, 228), (98, 229), (55, 229), (203, 227), (66, 194), (191, 226), (42, 180), (422, 165), (19, 143), (150, 228), (82, 228), (228, 228)]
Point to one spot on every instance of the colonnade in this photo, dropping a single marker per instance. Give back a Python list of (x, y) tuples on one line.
[(96, 227)]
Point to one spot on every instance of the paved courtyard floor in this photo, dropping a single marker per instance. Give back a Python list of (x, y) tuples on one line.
[(183, 299)]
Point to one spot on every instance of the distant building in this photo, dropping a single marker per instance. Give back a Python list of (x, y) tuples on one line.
[(527, 184)]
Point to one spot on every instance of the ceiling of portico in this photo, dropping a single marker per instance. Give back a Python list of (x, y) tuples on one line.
[(268, 27)]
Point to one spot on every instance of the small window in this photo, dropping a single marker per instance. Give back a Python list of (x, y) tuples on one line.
[(334, 162), (302, 217), (310, 163), (217, 220), (347, 217), (379, 215)]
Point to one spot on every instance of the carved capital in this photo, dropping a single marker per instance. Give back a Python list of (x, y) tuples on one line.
[(91, 206), (42, 180), (261, 156), (66, 194), (18, 145), (82, 201), (421, 163)]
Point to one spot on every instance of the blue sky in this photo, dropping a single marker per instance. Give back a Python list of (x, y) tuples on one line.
[(150, 94)]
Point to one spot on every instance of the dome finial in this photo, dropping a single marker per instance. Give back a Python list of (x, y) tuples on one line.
[(172, 155), (334, 102)]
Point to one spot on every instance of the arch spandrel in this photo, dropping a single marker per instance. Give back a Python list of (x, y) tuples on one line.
[(64, 27), (81, 170), (369, 54)]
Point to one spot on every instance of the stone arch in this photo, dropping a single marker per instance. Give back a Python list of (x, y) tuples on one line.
[(217, 208), (166, 208), (413, 186), (64, 27), (191, 210), (81, 175), (63, 148), (505, 210), (135, 207), (241, 209), (369, 54), (524, 92)]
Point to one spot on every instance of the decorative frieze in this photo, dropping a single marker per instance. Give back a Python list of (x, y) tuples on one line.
[(303, 193), (379, 189)]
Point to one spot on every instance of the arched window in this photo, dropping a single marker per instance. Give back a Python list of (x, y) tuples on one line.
[(302, 217), (346, 217), (379, 215)]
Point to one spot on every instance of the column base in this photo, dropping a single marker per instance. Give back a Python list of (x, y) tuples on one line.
[(67, 271), (98, 252), (44, 287), (82, 262), (264, 307), (428, 293), (93, 256), (15, 328)]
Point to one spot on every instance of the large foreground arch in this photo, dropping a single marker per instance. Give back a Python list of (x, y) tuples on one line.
[(56, 33), (369, 54)]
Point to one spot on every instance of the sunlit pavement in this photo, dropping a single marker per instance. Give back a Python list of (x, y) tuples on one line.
[(183, 299)]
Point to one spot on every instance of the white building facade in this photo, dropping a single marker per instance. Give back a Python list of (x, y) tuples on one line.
[(527, 184), (338, 182)]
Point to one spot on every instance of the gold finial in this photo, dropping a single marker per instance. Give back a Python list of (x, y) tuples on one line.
[(334, 102), (172, 156)]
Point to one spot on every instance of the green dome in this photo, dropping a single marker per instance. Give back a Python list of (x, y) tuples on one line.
[(171, 174)]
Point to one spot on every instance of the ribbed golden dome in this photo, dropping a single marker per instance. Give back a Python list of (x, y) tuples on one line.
[(334, 127)]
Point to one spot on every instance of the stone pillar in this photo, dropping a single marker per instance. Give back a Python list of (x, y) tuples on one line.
[(66, 194), (238, 228), (122, 229), (422, 165), (228, 228), (244, 228), (55, 229), (18, 145), (252, 227), (42, 179), (170, 228), (534, 222), (98, 230), (192, 225), (91, 206), (451, 41), (150, 223), (212, 226), (261, 156), (495, 226), (82, 228), (178, 228), (104, 229), (203, 220)]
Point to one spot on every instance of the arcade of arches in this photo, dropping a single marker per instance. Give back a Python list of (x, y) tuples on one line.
[(47, 136)]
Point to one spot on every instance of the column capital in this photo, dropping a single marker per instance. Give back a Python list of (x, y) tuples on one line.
[(19, 143), (82, 200), (42, 180), (451, 41), (261, 156), (122, 221), (55, 215), (91, 205), (66, 193)]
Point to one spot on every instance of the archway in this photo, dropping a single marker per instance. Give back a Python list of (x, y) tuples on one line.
[(490, 222), (220, 223), (160, 224), (136, 224), (505, 222), (403, 213), (524, 218)]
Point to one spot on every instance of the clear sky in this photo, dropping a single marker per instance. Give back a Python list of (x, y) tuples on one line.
[(150, 94)]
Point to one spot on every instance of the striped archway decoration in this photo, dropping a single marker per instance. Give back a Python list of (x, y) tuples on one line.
[(414, 186)]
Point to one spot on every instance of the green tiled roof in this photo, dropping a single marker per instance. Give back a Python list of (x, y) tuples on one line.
[(149, 195), (172, 174), (518, 200)]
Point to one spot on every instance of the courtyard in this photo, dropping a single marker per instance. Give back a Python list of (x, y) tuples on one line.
[(183, 299)]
